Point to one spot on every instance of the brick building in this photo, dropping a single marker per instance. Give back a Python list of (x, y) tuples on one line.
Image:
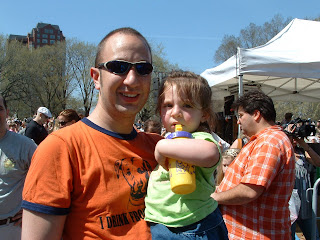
[(42, 34)]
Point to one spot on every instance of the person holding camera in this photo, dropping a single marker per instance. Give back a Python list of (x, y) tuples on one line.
[(306, 160)]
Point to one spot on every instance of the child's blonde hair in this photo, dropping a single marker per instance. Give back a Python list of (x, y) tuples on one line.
[(230, 154), (197, 92)]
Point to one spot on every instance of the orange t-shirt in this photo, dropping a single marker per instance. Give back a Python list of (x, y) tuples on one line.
[(96, 177)]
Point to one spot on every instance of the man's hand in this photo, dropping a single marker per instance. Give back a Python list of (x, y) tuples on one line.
[(239, 195)]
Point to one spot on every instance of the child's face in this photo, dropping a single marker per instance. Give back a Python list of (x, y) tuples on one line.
[(174, 111), (226, 160)]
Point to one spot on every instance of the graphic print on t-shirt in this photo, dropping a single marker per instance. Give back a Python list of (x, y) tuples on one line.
[(136, 172)]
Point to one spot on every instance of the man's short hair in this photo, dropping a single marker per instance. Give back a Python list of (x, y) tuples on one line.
[(256, 100), (124, 30)]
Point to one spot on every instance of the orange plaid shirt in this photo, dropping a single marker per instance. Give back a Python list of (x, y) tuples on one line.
[(268, 161)]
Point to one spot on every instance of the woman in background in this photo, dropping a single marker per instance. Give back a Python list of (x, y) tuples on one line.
[(67, 117)]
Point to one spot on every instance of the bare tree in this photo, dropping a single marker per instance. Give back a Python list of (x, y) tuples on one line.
[(227, 48), (251, 36), (80, 58)]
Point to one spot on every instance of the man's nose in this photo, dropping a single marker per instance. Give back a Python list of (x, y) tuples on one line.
[(132, 77)]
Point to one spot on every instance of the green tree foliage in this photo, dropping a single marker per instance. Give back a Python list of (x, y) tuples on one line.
[(34, 77), (16, 72)]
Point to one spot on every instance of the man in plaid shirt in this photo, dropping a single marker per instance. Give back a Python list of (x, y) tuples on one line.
[(257, 186)]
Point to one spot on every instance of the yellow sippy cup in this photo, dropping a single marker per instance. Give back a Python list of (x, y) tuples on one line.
[(182, 175)]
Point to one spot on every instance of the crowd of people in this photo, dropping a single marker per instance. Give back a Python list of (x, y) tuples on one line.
[(18, 142), (106, 176)]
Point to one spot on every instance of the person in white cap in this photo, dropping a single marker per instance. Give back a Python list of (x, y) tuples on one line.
[(35, 129)]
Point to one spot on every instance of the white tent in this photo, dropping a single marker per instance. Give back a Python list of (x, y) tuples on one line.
[(286, 68)]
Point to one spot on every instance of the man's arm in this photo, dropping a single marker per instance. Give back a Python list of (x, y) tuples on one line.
[(40, 226), (239, 195)]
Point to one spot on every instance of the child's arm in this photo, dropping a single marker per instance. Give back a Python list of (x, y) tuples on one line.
[(197, 152)]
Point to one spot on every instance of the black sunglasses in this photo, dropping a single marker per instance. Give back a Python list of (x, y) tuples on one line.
[(62, 123), (122, 67)]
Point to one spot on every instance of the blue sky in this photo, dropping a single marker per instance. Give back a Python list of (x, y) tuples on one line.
[(190, 31)]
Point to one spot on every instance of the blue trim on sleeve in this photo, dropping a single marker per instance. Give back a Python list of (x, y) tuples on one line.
[(44, 209), (129, 136)]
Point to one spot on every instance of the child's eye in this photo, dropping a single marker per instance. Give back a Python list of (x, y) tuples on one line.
[(187, 105), (167, 105)]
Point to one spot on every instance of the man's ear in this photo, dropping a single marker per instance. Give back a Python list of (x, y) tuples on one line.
[(95, 74), (257, 114)]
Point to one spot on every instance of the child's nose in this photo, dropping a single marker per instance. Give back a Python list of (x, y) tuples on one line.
[(176, 111)]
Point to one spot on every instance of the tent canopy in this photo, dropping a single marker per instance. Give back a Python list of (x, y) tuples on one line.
[(287, 68)]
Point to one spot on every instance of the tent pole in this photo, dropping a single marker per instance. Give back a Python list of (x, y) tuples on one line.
[(240, 94), (240, 85)]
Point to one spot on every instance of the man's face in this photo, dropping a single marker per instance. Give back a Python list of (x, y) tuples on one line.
[(44, 118), (123, 95), (247, 122), (3, 115)]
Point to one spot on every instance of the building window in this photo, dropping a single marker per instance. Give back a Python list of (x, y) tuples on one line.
[(48, 31), (52, 41), (38, 40), (44, 41), (58, 37), (44, 35), (38, 35), (52, 37)]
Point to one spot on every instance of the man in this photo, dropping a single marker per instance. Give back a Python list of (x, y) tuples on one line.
[(257, 186), (89, 180), (287, 119), (35, 129), (15, 155), (318, 129)]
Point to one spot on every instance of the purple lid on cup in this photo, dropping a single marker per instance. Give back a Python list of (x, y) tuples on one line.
[(179, 134)]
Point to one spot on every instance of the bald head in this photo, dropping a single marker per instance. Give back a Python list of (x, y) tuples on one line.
[(126, 31)]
